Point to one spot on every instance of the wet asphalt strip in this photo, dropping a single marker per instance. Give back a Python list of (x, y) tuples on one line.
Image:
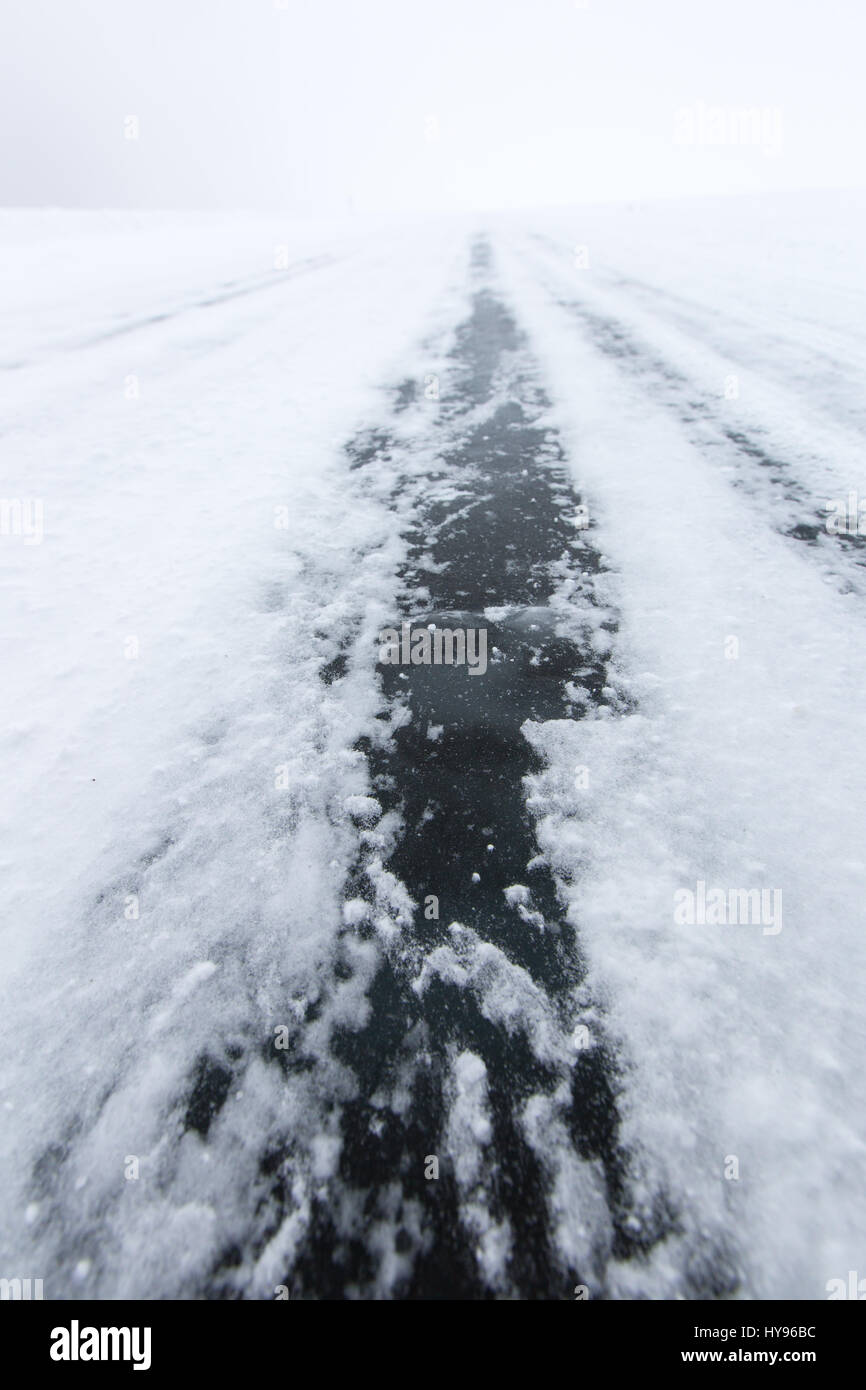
[(499, 535)]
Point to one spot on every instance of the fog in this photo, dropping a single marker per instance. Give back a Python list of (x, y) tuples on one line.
[(327, 109)]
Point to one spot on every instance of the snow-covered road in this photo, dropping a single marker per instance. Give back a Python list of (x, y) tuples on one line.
[(347, 978)]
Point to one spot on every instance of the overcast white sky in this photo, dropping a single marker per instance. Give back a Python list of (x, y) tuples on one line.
[(385, 105)]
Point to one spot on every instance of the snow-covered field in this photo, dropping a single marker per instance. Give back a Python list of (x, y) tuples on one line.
[(194, 572)]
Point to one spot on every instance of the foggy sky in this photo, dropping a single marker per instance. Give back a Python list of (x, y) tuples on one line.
[(389, 105)]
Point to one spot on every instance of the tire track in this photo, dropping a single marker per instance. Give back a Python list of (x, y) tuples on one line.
[(759, 469), (224, 294), (482, 1047)]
